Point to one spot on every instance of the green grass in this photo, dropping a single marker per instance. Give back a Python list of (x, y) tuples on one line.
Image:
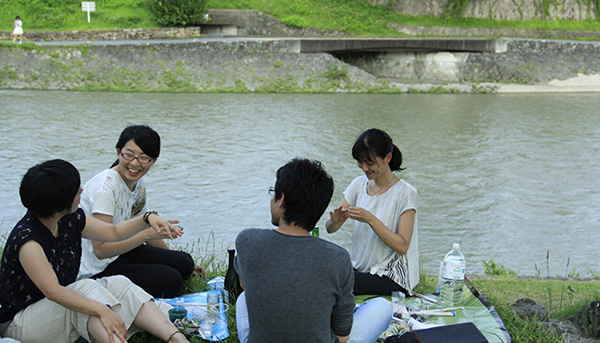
[(360, 17), (561, 296), (352, 16)]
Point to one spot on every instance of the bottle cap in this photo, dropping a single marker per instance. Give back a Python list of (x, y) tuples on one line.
[(456, 246)]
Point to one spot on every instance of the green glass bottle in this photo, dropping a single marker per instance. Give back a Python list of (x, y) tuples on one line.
[(315, 232), (232, 279)]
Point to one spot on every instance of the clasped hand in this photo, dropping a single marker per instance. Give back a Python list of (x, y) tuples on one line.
[(356, 213)]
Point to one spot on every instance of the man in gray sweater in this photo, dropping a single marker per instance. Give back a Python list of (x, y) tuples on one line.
[(298, 288)]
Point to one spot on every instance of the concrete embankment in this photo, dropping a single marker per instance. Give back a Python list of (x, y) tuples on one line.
[(271, 65), (236, 66)]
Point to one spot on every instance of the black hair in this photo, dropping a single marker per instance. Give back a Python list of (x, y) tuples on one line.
[(17, 17), (307, 188), (49, 187), (375, 142), (144, 136)]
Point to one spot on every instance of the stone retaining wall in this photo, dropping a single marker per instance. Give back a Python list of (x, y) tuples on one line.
[(272, 66), (248, 66), (115, 34), (476, 32), (499, 9)]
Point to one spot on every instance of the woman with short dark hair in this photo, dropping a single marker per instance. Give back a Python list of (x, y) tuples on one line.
[(40, 299)]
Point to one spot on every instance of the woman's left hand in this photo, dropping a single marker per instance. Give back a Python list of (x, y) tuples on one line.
[(167, 226), (198, 269), (360, 214)]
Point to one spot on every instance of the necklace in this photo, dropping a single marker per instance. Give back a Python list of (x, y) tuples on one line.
[(382, 187)]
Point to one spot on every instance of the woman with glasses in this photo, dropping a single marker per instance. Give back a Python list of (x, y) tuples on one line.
[(117, 194), (384, 252)]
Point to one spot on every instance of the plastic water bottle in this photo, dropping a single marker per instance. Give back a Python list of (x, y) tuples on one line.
[(453, 277)]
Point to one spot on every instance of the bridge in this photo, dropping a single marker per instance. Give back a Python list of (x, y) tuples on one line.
[(343, 45)]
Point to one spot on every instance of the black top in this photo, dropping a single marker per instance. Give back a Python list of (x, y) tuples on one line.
[(17, 291)]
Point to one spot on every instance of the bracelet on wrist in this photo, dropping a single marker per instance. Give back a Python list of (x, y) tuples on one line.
[(147, 214)]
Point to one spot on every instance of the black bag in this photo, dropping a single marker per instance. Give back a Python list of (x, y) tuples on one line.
[(457, 333)]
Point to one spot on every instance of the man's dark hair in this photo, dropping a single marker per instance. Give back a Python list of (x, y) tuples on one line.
[(307, 188), (49, 187)]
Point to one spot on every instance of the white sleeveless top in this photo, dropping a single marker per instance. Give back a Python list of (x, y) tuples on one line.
[(369, 253)]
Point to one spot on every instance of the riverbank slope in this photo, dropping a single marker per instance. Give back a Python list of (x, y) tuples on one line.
[(270, 66), (263, 60)]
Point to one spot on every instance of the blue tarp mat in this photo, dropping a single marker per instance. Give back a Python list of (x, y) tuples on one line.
[(196, 305)]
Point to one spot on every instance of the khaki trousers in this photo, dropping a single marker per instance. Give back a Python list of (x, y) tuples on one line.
[(47, 321)]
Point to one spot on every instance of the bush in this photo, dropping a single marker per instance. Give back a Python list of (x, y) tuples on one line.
[(295, 21), (177, 12)]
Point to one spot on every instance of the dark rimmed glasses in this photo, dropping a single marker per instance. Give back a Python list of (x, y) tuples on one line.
[(130, 157), (271, 191)]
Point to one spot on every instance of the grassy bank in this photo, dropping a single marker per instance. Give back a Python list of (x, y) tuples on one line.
[(353, 16), (562, 297)]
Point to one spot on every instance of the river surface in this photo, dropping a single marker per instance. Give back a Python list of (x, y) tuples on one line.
[(513, 178)]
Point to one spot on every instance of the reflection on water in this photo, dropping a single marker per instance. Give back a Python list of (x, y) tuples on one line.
[(509, 176)]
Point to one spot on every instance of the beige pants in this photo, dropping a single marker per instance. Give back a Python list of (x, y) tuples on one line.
[(47, 321)]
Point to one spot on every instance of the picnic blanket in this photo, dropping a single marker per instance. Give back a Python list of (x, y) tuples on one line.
[(475, 308), (196, 306)]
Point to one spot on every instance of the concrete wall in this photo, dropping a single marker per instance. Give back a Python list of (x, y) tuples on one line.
[(413, 67), (524, 62), (498, 9)]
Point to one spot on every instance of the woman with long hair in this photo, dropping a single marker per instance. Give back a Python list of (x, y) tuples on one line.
[(384, 249)]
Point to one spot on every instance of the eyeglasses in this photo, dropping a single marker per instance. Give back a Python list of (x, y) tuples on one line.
[(130, 157), (271, 191)]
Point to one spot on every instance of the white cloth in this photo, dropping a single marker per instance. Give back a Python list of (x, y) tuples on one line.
[(107, 193), (47, 321), (369, 321), (18, 24), (368, 253)]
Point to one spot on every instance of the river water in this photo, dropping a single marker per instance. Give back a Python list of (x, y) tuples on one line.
[(512, 177)]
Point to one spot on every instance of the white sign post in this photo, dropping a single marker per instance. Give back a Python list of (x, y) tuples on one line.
[(88, 6)]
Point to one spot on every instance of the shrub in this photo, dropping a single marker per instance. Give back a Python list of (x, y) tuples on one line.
[(334, 72), (295, 21), (493, 268), (177, 12)]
